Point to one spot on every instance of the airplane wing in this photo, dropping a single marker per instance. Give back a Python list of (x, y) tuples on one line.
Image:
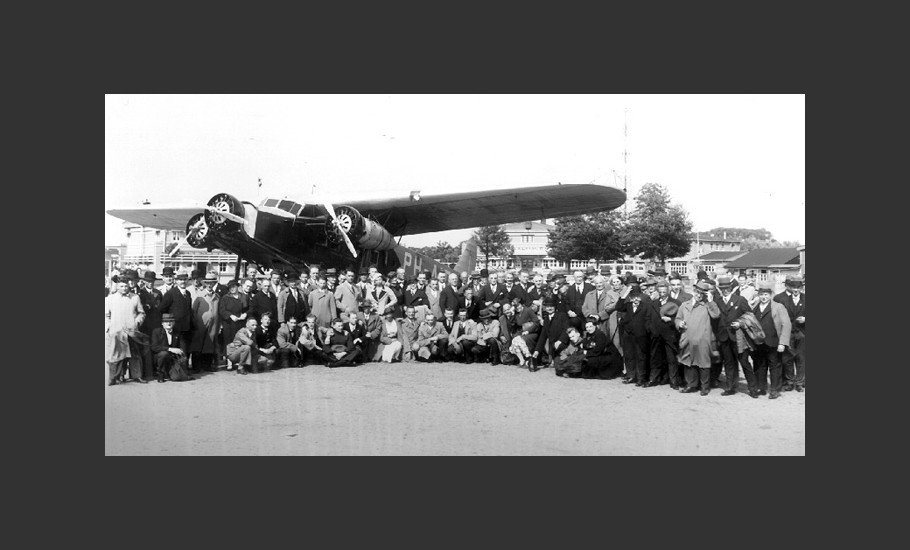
[(170, 218), (441, 212)]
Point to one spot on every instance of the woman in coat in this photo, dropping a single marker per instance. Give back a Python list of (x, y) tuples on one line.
[(602, 359), (206, 326), (696, 338), (391, 338)]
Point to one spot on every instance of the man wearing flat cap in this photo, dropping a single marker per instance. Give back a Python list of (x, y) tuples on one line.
[(731, 306), (169, 352), (794, 355), (553, 335), (775, 323)]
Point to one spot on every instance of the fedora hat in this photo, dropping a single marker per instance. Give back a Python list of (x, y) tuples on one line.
[(150, 276), (703, 286), (549, 301), (484, 273), (167, 272), (181, 275), (130, 274), (724, 281), (794, 280), (167, 317), (486, 314), (669, 309), (765, 286)]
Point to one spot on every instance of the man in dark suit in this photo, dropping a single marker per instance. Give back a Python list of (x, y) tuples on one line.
[(470, 303), (537, 291), (676, 289), (493, 295), (168, 349), (664, 338), (448, 295), (636, 342), (150, 298), (417, 296), (178, 303), (732, 306), (794, 355), (292, 302), (358, 333), (515, 290), (575, 299), (552, 333), (264, 300)]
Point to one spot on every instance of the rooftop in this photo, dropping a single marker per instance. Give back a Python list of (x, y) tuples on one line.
[(766, 257), (523, 226), (721, 256)]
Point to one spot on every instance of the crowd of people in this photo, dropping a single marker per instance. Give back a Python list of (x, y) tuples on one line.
[(650, 331)]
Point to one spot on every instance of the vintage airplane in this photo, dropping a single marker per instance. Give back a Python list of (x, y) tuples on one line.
[(285, 234)]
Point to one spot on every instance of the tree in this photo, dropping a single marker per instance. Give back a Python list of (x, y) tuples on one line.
[(442, 252), (657, 229), (751, 243), (589, 236), (738, 233), (492, 240)]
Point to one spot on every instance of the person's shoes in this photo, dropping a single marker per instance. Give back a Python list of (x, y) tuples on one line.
[(705, 392), (762, 392), (774, 395), (728, 393), (142, 381), (674, 387), (688, 390), (532, 364), (241, 370), (799, 389), (715, 384), (112, 383), (789, 387), (161, 380), (753, 394), (650, 384)]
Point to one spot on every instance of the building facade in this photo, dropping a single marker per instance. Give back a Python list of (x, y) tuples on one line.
[(148, 248)]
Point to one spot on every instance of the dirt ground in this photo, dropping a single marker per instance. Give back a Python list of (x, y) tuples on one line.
[(440, 409)]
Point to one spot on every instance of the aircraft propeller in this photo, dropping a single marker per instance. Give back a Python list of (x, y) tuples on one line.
[(342, 224), (197, 231)]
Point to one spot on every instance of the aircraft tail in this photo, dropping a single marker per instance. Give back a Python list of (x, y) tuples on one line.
[(468, 259)]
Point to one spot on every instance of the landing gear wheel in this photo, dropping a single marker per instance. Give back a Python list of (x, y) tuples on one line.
[(223, 202), (197, 232)]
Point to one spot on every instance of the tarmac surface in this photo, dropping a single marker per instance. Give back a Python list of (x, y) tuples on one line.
[(440, 409)]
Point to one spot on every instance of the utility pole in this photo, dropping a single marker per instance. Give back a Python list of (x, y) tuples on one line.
[(625, 157)]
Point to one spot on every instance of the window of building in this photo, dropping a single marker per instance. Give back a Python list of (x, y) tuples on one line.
[(708, 268), (527, 238), (222, 266)]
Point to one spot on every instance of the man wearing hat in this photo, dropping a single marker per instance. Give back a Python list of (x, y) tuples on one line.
[(363, 285), (664, 338), (167, 275), (794, 355), (633, 305), (194, 285), (552, 332), (484, 278), (331, 279), (396, 287), (475, 284), (731, 306), (291, 302), (487, 349), (207, 326), (150, 297), (169, 352), (697, 338), (177, 302), (775, 323), (123, 342)]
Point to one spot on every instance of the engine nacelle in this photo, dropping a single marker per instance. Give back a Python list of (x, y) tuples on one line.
[(375, 237), (366, 233)]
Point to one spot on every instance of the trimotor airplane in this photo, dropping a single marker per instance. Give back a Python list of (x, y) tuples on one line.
[(284, 234)]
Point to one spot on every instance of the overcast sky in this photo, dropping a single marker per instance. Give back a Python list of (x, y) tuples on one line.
[(734, 161)]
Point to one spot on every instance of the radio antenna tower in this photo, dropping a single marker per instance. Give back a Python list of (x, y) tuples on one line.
[(625, 157)]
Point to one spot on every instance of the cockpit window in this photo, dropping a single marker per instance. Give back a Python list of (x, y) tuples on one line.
[(271, 202)]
